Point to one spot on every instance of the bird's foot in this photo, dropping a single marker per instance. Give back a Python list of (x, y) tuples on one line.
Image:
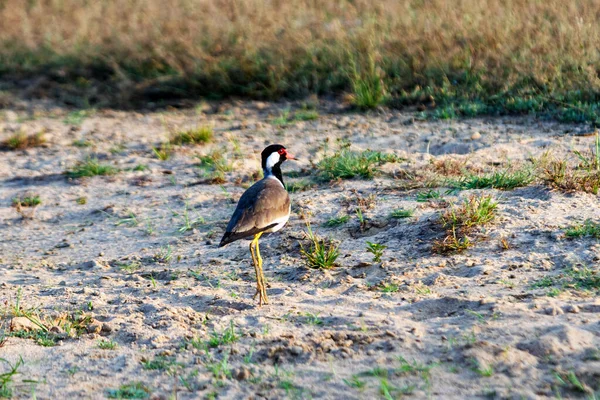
[(262, 296)]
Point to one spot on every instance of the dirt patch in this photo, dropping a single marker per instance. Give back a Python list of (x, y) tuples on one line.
[(169, 312)]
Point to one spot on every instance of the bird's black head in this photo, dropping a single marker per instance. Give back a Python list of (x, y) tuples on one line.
[(272, 157)]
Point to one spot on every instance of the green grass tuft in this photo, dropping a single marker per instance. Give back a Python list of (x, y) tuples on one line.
[(320, 255), (163, 152), (27, 201), (6, 378), (91, 167), (368, 89), (336, 221), (160, 363), (390, 288), (423, 197), (228, 336), (214, 166), (587, 229), (20, 141), (460, 221), (505, 180), (201, 135), (400, 213), (306, 115), (299, 185), (135, 390), (105, 344), (376, 249), (348, 164)]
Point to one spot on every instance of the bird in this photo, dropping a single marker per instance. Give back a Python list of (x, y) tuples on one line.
[(263, 208)]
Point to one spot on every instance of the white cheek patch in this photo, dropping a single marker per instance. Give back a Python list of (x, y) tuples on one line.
[(272, 160)]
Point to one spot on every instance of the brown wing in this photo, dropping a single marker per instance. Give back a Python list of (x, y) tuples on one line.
[(258, 208)]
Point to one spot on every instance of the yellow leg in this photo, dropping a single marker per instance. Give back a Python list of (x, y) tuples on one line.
[(261, 291), (256, 270), (262, 274)]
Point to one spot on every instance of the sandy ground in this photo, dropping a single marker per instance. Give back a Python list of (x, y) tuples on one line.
[(470, 325)]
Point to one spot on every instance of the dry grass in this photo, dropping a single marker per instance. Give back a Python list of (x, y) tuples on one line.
[(561, 175), (533, 53), (564, 174), (460, 221), (21, 141)]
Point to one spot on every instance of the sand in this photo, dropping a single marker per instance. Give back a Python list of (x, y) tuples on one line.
[(140, 260)]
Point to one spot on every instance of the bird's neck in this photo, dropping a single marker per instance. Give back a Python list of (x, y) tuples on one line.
[(274, 171)]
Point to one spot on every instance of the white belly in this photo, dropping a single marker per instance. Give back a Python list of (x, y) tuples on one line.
[(280, 224)]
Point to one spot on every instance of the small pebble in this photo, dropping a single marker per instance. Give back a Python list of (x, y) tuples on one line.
[(553, 310), (573, 309)]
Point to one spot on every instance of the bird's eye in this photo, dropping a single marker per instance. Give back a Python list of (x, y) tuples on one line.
[(281, 151)]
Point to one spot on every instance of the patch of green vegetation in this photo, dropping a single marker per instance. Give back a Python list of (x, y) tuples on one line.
[(164, 255), (561, 175), (571, 381), (21, 141), (423, 197), (400, 213), (583, 278), (91, 167), (130, 220), (82, 143), (583, 176), (220, 369), (475, 211), (368, 88), (321, 254), (76, 118), (228, 336), (505, 180), (188, 222), (587, 229), (312, 319), (215, 165), (40, 337), (299, 185), (377, 371), (106, 344), (390, 288), (81, 200), (376, 249), (27, 201), (466, 97), (160, 363), (135, 390), (414, 368), (546, 281), (306, 115), (483, 370), (283, 119), (7, 378), (163, 152), (355, 382), (200, 135), (460, 221), (141, 167), (578, 278), (336, 221), (553, 292), (118, 148), (348, 164), (292, 391)]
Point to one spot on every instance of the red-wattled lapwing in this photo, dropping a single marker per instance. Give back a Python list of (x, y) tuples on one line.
[(263, 208)]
